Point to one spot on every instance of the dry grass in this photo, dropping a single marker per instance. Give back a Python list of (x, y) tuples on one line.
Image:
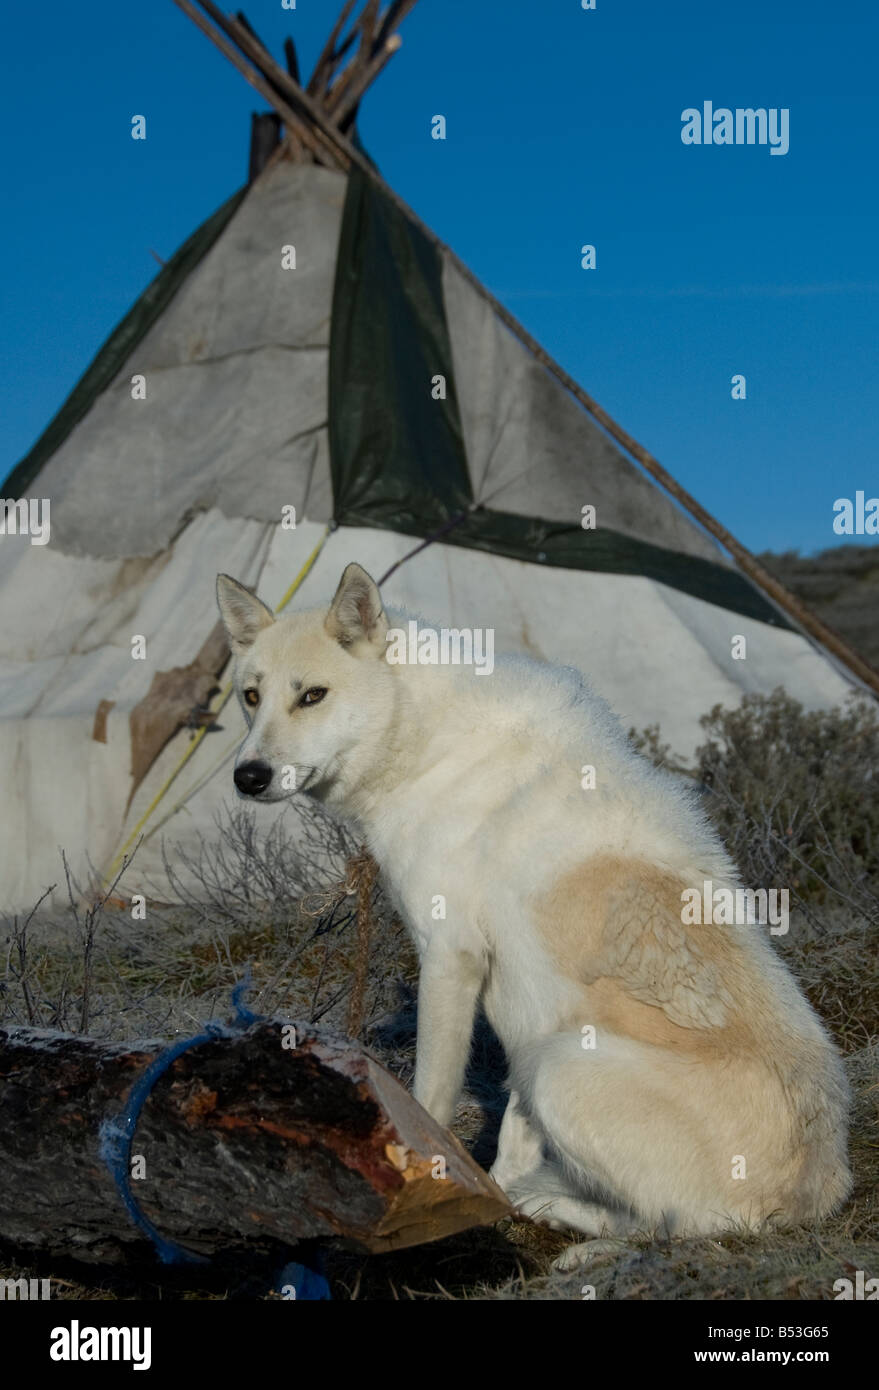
[(280, 908)]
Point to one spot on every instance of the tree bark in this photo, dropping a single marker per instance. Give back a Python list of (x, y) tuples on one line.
[(244, 1143)]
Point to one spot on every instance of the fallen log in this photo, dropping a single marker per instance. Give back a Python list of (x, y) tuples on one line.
[(271, 1134)]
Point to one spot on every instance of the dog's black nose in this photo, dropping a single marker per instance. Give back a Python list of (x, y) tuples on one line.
[(252, 778)]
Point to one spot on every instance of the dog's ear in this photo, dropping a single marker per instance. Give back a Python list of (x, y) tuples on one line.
[(244, 615), (356, 613)]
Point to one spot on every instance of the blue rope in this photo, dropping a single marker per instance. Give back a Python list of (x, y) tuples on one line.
[(116, 1137), (115, 1145), (309, 1283), (116, 1134)]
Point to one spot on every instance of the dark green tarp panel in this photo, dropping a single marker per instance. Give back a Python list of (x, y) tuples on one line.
[(397, 455), (612, 552), (120, 344)]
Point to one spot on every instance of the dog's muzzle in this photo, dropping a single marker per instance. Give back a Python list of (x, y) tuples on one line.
[(252, 778)]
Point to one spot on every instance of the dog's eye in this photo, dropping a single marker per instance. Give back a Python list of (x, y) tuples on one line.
[(313, 696), (251, 696)]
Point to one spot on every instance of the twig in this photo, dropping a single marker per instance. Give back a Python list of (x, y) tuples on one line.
[(365, 871)]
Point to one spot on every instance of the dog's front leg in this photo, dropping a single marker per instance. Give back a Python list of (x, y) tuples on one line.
[(451, 979)]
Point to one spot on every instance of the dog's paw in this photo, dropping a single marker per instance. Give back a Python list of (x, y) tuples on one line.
[(533, 1206), (584, 1252)]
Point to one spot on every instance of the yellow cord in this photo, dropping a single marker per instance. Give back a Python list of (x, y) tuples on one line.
[(225, 693)]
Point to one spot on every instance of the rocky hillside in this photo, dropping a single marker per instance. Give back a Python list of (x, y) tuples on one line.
[(841, 585)]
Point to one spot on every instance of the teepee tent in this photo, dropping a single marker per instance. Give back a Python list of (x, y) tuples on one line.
[(313, 354)]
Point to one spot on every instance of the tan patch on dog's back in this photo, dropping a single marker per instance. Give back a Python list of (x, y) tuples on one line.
[(615, 926), (612, 1008)]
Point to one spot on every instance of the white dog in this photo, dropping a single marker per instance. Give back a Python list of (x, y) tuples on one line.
[(662, 1074)]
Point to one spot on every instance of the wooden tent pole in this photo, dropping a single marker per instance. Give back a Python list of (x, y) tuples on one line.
[(327, 53), (393, 18), (365, 77), (291, 59), (315, 141), (750, 565), (366, 24)]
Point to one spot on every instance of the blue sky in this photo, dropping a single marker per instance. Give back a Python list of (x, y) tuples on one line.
[(563, 128)]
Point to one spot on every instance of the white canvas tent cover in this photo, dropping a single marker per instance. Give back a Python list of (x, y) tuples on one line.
[(268, 388)]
